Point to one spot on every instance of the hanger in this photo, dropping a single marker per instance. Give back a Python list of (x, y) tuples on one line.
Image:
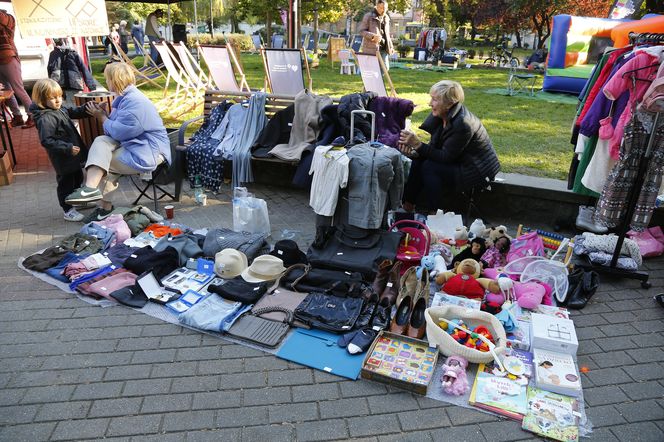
[(654, 65)]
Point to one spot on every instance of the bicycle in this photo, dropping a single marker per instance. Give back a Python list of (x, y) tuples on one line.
[(499, 56)]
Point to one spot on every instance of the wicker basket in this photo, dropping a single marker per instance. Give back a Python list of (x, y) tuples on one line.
[(448, 346)]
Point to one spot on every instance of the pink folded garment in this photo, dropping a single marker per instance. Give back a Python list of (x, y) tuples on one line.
[(117, 224), (112, 283)]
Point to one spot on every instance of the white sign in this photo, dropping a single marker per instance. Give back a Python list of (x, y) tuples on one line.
[(57, 18)]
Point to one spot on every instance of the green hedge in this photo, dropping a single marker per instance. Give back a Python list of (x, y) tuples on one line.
[(239, 41)]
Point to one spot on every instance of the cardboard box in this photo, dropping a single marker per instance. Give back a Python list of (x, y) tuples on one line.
[(6, 170), (554, 334), (405, 362)]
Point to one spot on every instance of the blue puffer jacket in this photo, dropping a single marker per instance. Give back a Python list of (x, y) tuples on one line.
[(136, 124)]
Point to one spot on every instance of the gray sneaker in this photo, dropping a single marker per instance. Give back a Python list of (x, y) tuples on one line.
[(84, 195), (97, 215)]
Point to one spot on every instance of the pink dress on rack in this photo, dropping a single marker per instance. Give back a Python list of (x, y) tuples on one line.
[(648, 61)]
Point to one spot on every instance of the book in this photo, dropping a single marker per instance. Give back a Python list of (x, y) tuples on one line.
[(549, 310), (552, 415), (519, 338), (441, 298), (504, 394), (556, 372)]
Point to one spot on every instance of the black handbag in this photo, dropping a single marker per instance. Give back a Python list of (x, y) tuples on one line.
[(239, 290), (329, 312), (304, 278), (582, 286), (353, 249)]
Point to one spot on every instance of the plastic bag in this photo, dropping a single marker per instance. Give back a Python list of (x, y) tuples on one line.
[(444, 224), (250, 214)]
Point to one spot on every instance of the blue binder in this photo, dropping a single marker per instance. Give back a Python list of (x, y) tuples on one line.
[(318, 349)]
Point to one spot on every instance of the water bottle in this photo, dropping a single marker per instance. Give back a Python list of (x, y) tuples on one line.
[(198, 189)]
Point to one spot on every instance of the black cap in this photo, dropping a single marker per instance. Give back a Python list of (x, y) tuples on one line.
[(288, 251)]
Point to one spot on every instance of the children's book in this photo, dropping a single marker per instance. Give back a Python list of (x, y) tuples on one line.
[(549, 310), (552, 415), (503, 393), (556, 372)]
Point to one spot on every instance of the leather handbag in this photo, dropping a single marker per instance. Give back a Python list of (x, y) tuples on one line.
[(304, 278), (239, 290), (283, 301), (349, 248), (329, 312), (252, 327)]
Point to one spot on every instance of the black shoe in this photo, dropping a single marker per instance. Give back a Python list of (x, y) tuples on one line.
[(361, 341), (368, 311), (383, 315), (98, 214)]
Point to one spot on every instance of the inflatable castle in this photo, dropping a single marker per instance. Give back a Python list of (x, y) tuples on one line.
[(577, 42)]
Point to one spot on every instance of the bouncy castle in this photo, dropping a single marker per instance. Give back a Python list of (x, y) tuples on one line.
[(577, 42)]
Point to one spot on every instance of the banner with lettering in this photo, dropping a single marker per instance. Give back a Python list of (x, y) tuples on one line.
[(57, 18)]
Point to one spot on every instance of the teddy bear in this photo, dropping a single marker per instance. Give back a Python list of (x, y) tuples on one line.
[(496, 232), (465, 280), (477, 229), (428, 262), (460, 236)]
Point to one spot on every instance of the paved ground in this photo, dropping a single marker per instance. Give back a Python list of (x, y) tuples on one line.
[(70, 371)]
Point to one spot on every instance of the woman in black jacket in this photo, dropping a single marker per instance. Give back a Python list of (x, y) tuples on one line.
[(459, 157)]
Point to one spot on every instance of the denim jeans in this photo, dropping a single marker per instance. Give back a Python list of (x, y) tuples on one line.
[(213, 313)]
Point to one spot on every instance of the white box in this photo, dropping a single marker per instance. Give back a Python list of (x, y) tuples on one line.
[(554, 334)]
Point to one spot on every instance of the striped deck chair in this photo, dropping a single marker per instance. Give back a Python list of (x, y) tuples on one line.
[(149, 65), (191, 66), (373, 70), (187, 92), (223, 66), (142, 77)]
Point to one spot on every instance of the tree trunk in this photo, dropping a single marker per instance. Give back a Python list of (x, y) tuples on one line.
[(268, 27), (211, 20)]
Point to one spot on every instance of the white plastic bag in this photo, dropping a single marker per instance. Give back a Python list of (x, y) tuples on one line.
[(250, 214), (444, 224)]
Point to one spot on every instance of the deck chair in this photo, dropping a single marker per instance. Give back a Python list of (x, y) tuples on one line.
[(284, 70), (143, 77), (517, 83), (257, 41), (148, 62), (191, 66), (222, 65), (187, 91), (372, 70)]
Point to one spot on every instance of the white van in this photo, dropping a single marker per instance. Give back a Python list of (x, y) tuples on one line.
[(33, 52)]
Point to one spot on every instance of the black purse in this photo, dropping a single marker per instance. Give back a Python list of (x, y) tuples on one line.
[(582, 286), (354, 249), (239, 290), (304, 278), (329, 312)]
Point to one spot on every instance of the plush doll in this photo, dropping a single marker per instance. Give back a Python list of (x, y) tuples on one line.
[(475, 250), (477, 229), (439, 265), (427, 262), (465, 281), (495, 233), (496, 254), (454, 380), (461, 236)]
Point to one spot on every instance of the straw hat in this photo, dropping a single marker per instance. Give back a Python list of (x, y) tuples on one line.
[(264, 268)]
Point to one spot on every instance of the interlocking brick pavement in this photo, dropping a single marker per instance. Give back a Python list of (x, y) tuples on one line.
[(70, 371)]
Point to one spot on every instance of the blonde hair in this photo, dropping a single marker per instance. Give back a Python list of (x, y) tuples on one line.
[(450, 92), (45, 89), (118, 76)]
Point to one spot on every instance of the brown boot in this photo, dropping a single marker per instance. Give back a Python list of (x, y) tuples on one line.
[(391, 291), (380, 281)]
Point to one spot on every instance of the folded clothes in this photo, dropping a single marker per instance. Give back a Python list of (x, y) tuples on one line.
[(604, 259), (112, 282), (159, 230)]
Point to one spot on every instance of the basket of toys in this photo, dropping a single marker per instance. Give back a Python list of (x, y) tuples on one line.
[(476, 335)]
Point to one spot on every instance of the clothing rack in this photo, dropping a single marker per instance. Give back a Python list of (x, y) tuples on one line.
[(634, 192)]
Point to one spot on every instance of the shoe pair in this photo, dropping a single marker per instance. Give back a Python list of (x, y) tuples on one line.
[(376, 313), (386, 283), (585, 220), (83, 195), (409, 319), (98, 214), (414, 285), (73, 215)]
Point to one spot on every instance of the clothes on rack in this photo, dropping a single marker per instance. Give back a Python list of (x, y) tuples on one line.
[(329, 168), (348, 104), (306, 125), (254, 123), (432, 38), (391, 114), (277, 131)]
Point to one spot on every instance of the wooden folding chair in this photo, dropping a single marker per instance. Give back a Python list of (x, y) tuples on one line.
[(149, 65), (372, 69), (191, 66), (142, 77), (187, 92), (222, 66), (283, 70)]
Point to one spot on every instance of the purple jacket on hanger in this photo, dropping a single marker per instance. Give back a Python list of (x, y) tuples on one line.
[(601, 106), (391, 114)]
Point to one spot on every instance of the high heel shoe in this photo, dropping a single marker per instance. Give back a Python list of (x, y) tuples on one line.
[(402, 317), (417, 325)]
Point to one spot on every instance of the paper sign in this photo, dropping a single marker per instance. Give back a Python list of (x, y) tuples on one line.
[(55, 18)]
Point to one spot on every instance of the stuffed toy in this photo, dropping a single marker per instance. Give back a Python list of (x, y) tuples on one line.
[(439, 265), (474, 251), (496, 254), (495, 233), (427, 262), (465, 281), (461, 236), (476, 229), (454, 380)]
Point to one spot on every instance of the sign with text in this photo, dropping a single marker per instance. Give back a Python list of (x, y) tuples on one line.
[(285, 70), (372, 74), (57, 18)]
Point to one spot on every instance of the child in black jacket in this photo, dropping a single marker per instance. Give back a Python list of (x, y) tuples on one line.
[(61, 140)]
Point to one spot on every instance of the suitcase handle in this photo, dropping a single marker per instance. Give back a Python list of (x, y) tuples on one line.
[(352, 123)]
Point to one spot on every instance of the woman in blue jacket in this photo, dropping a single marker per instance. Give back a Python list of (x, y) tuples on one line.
[(135, 141)]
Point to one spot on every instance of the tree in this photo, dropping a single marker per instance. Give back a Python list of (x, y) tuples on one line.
[(655, 6)]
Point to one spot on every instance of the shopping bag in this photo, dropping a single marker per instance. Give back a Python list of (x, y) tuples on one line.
[(250, 214), (444, 224)]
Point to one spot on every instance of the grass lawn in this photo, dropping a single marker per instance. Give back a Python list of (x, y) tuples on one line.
[(531, 136)]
